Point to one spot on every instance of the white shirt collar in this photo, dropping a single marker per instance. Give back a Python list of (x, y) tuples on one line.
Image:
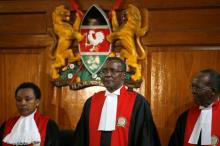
[(203, 125), (24, 132), (116, 92), (109, 110)]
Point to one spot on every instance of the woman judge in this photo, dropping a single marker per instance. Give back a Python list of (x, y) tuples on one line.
[(31, 127)]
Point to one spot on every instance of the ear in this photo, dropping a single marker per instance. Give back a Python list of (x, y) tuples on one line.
[(37, 102), (217, 95), (123, 76)]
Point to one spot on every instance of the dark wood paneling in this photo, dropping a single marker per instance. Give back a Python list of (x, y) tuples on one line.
[(171, 74), (184, 27), (185, 20), (19, 41), (181, 4), (17, 6), (18, 67), (3, 89), (184, 37), (24, 23), (24, 46), (153, 4), (41, 5)]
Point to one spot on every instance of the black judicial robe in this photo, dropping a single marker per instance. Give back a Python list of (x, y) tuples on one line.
[(177, 138), (52, 134), (186, 122), (142, 130)]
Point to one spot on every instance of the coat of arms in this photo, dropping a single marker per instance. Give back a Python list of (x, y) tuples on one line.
[(78, 65), (94, 48)]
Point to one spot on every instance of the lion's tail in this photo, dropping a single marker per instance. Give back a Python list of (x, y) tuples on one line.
[(142, 54), (52, 57), (52, 47)]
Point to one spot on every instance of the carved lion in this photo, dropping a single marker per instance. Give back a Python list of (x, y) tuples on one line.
[(128, 34), (66, 34)]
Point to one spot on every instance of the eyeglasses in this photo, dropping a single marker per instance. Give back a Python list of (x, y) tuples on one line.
[(200, 89), (112, 71)]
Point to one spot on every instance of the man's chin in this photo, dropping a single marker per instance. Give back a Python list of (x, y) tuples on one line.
[(202, 104), (108, 84), (110, 88)]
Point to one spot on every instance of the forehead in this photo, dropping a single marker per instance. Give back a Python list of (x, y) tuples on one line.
[(112, 64), (201, 78), (25, 92)]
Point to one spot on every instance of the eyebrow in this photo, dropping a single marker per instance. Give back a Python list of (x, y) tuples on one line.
[(25, 96)]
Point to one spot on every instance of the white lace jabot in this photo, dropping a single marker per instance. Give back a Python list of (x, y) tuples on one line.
[(24, 132)]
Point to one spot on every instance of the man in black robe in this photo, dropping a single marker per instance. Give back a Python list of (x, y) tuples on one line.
[(199, 125), (116, 117)]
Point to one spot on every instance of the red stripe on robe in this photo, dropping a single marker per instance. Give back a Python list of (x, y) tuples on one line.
[(192, 117), (41, 122), (119, 136)]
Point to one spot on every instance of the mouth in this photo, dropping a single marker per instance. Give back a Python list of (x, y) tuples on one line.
[(22, 110), (107, 81)]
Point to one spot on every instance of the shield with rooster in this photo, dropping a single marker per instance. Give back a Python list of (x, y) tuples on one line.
[(94, 48)]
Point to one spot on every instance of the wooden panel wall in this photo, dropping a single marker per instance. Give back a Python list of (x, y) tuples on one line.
[(24, 47), (171, 74), (184, 38)]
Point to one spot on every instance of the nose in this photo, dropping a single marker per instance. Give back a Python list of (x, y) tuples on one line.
[(196, 89), (22, 102), (108, 72)]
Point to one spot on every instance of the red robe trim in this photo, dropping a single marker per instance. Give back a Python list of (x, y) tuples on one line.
[(119, 136), (41, 122), (192, 117)]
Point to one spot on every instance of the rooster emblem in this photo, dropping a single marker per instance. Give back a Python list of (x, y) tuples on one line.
[(95, 38)]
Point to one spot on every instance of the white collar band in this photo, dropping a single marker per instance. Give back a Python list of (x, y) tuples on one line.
[(203, 125), (109, 110)]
